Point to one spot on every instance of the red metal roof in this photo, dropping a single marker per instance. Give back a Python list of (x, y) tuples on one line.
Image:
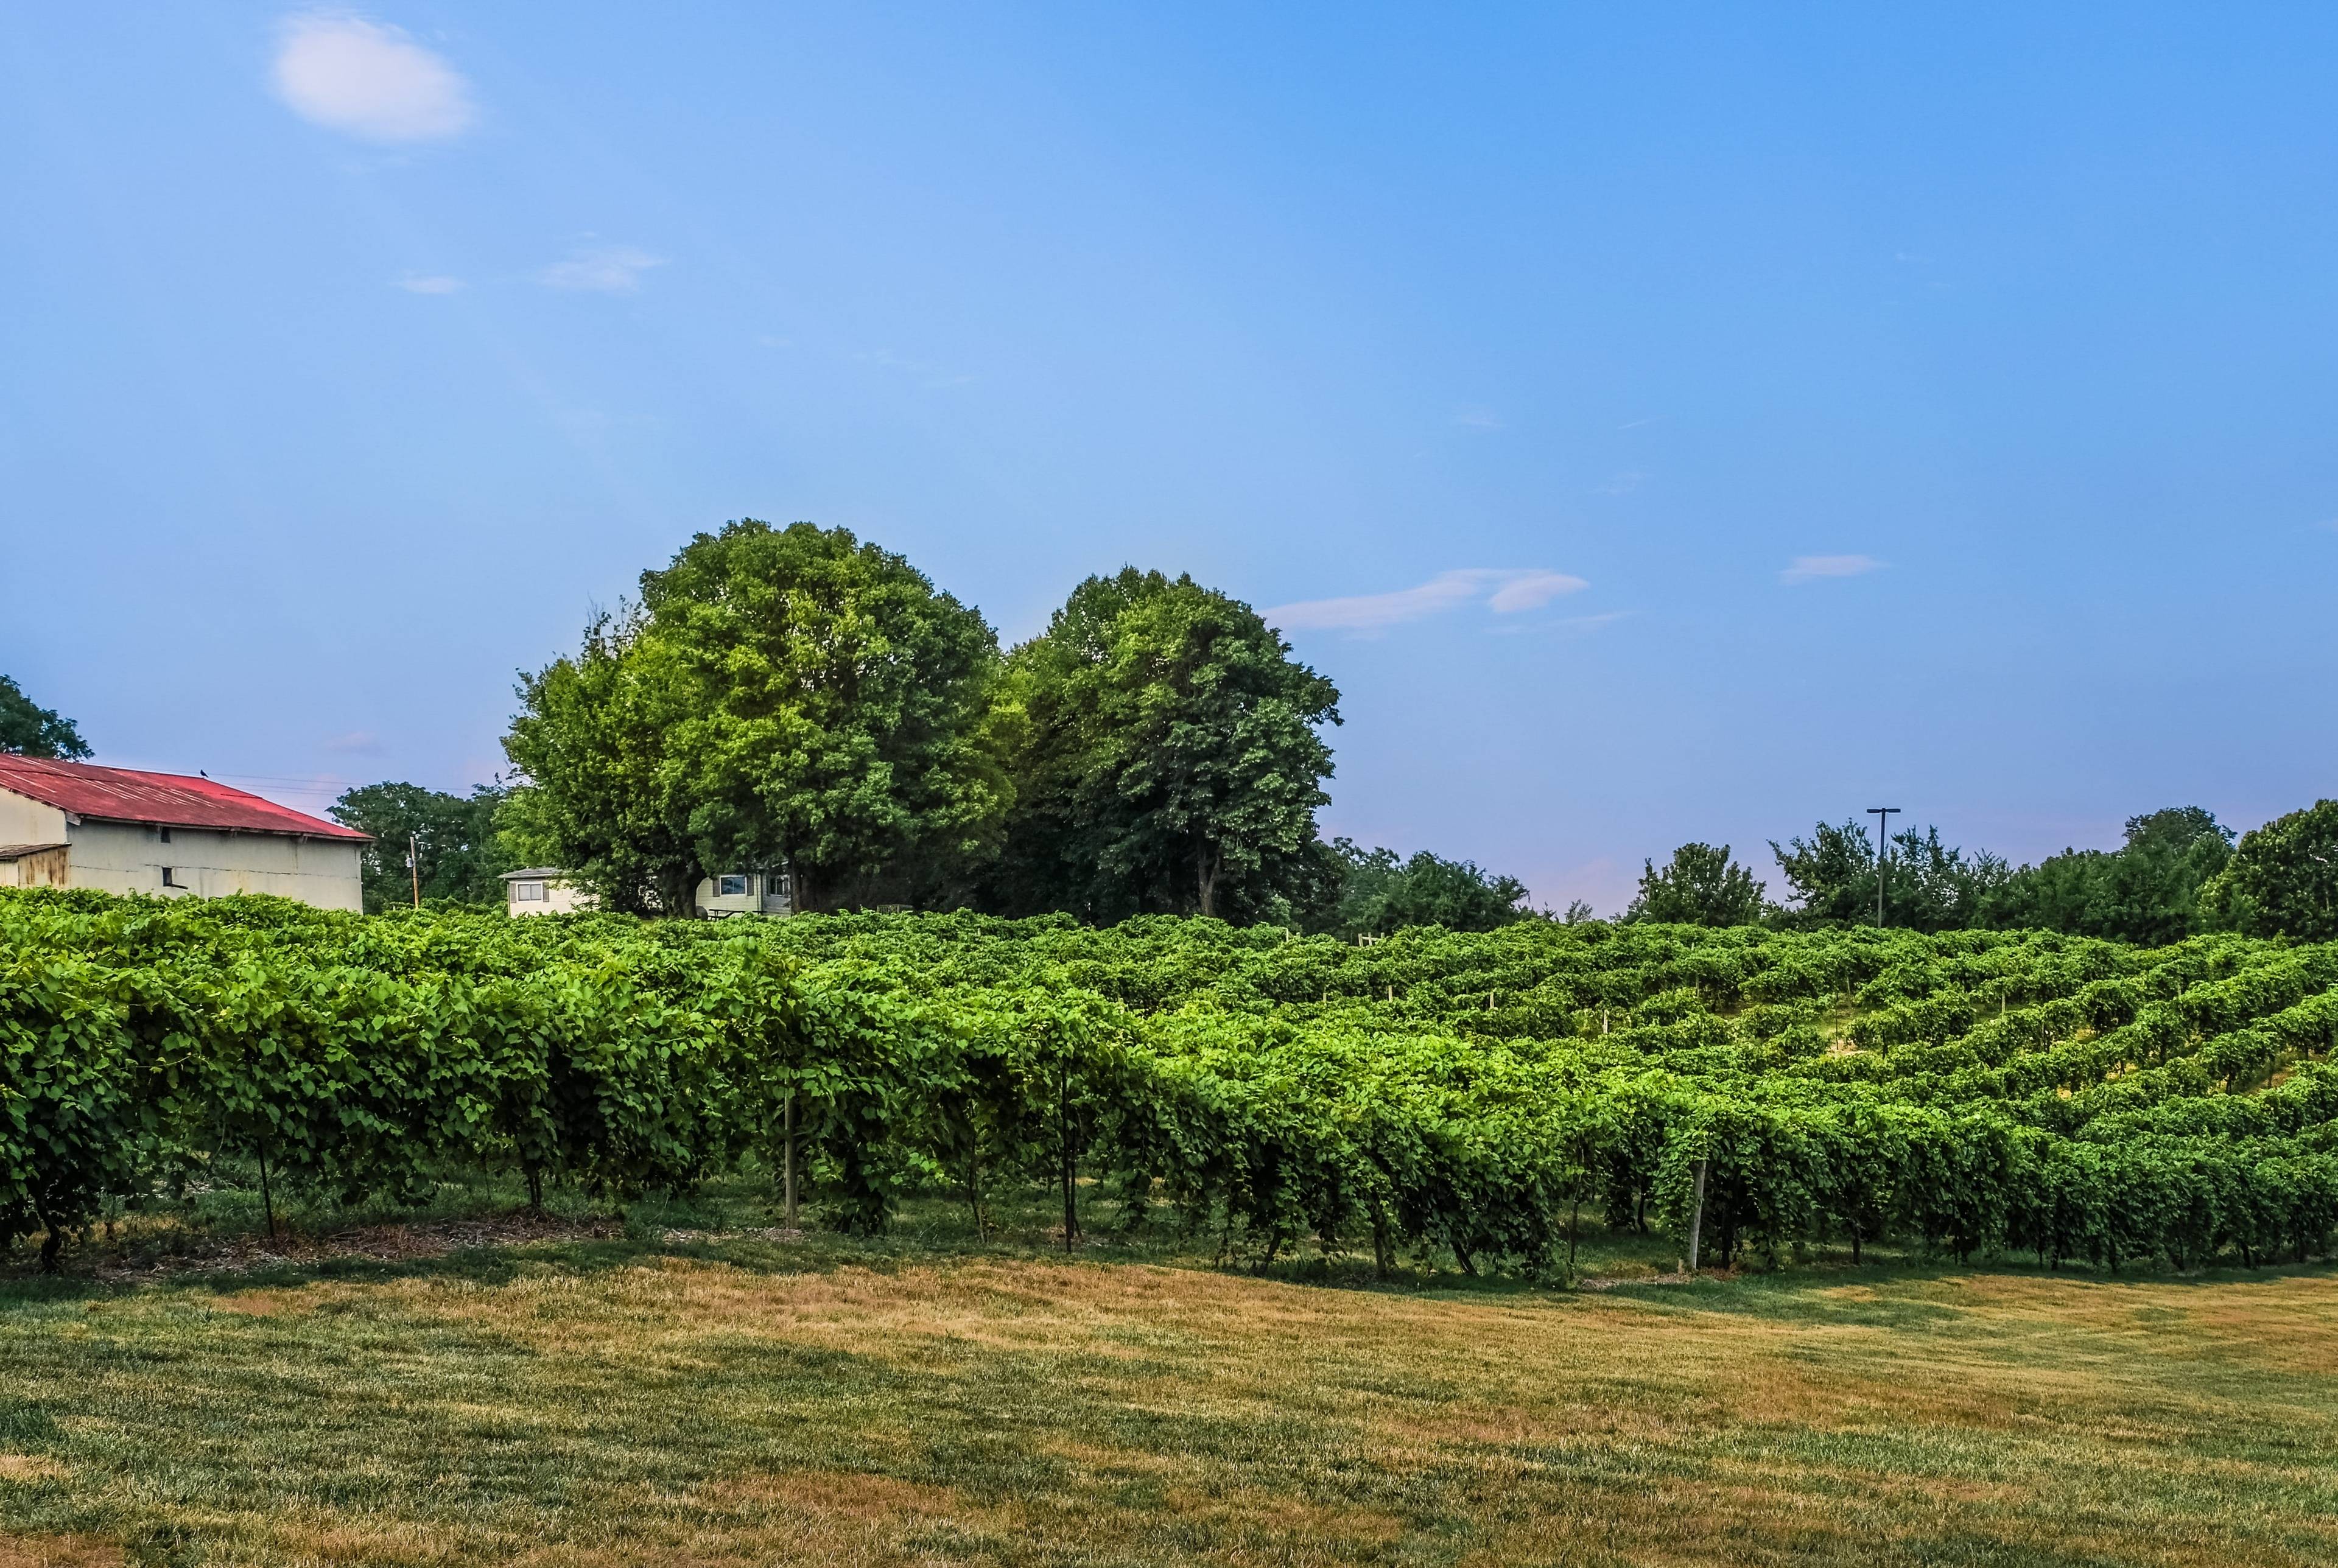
[(164, 800)]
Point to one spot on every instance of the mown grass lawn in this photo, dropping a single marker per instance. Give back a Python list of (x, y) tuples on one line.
[(646, 1400)]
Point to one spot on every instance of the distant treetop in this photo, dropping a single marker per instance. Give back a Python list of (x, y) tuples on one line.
[(32, 731)]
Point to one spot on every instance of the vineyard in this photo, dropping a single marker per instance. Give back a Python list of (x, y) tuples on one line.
[(1471, 1102)]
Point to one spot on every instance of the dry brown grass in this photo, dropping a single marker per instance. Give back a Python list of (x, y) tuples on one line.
[(56, 1552), (1007, 1411)]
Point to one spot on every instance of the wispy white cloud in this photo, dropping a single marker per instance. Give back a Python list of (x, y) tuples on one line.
[(1504, 591), (356, 743), (1476, 417), (1532, 590), (369, 80), (1622, 484), (601, 270), (1560, 626), (427, 284), (1811, 568)]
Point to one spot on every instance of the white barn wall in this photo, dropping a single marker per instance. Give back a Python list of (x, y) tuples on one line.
[(24, 821), (125, 858)]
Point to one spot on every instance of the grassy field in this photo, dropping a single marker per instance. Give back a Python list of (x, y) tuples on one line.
[(671, 1395)]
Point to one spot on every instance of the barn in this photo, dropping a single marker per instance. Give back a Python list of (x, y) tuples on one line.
[(73, 825)]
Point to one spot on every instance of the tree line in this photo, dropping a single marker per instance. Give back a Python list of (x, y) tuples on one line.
[(793, 697), (2179, 873)]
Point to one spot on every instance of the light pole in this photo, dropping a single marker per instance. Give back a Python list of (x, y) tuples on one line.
[(1882, 815)]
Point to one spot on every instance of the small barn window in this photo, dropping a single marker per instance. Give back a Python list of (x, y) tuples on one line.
[(528, 892), (171, 877), (166, 835), (730, 887)]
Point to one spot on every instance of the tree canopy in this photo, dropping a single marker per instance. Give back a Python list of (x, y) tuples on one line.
[(32, 731), (1701, 886), (2146, 891), (461, 859), (1928, 886), (595, 797), (778, 695), (2281, 879), (1175, 762), (1380, 894)]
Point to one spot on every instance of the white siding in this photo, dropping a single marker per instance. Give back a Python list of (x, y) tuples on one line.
[(559, 898), (765, 893), (24, 821), (125, 858)]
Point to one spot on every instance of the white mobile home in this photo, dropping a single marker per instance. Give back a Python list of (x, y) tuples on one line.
[(543, 890), (71, 824), (747, 893), (546, 890)]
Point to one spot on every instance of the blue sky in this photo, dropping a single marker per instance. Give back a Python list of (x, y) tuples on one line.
[(1661, 426)]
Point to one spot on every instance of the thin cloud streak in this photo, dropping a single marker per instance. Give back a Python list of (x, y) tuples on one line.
[(369, 81), (605, 269), (427, 284), (1504, 591), (1812, 568)]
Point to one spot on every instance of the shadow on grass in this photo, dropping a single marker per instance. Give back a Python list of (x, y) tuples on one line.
[(476, 1231)]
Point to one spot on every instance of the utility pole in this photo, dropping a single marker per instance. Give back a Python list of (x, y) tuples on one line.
[(1882, 815), (414, 864)]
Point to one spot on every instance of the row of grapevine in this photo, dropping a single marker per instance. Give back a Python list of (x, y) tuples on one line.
[(1464, 1097)]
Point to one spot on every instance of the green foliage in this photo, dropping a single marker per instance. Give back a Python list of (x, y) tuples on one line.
[(1461, 1096), (1699, 887), (599, 797), (1831, 875), (1928, 886), (779, 696), (462, 858), (1175, 762), (2282, 878), (2146, 891), (33, 730), (1380, 894)]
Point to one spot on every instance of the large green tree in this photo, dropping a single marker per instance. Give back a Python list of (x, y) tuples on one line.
[(595, 796), (1175, 760), (460, 857), (2281, 879), (2146, 891), (32, 731), (1701, 886), (1928, 886), (778, 695), (1831, 875), (1379, 893)]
